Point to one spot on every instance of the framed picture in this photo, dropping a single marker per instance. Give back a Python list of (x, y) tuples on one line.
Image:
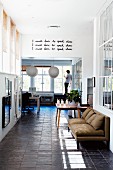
[(6, 86), (93, 81), (5, 110)]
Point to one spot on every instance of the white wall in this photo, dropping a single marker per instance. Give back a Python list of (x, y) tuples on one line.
[(87, 66), (9, 67), (13, 119), (79, 48), (28, 52)]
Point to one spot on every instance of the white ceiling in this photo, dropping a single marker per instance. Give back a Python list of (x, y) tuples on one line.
[(34, 16)]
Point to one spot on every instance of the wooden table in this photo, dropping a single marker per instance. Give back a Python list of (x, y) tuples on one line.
[(38, 102), (68, 107)]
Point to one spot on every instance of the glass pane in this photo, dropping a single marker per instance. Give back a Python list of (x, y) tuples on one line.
[(107, 92), (106, 59), (45, 70), (26, 82), (102, 57), (59, 81), (39, 70), (106, 22), (38, 82), (78, 76), (102, 28), (46, 83), (58, 85), (42, 80), (64, 72), (109, 21)]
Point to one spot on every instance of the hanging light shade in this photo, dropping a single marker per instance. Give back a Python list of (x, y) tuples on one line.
[(53, 72), (31, 71)]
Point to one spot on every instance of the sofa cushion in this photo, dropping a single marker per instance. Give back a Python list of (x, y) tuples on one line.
[(91, 119), (98, 121), (91, 112), (85, 130), (76, 120), (84, 114)]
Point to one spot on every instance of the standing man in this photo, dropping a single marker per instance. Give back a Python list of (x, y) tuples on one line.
[(67, 81)]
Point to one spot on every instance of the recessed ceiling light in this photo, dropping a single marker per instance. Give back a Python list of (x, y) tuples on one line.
[(54, 26), (31, 57)]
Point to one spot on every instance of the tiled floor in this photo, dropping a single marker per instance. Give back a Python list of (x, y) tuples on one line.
[(35, 143)]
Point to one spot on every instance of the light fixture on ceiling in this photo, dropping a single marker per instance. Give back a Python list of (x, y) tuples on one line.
[(53, 72), (54, 26), (31, 71)]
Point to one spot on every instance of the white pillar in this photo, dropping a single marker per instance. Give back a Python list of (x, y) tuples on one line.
[(32, 82)]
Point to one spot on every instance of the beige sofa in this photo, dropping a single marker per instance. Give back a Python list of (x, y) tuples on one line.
[(92, 126)]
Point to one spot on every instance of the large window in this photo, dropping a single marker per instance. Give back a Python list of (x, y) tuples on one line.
[(26, 81), (43, 82), (12, 46), (59, 81), (5, 38), (78, 75), (106, 58)]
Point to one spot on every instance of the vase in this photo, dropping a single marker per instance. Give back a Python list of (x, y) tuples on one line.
[(73, 103)]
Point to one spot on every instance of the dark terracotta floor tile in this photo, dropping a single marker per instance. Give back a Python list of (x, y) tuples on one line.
[(28, 164), (27, 168), (35, 143), (44, 167)]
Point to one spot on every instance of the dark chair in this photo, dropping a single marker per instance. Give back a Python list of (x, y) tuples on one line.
[(26, 107), (85, 105)]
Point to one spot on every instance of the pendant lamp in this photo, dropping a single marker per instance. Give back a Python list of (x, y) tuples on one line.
[(53, 72), (31, 71)]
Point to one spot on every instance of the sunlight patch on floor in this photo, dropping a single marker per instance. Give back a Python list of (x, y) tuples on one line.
[(74, 159), (71, 158)]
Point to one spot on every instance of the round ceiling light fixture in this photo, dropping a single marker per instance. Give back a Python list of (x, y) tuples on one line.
[(53, 72), (31, 71)]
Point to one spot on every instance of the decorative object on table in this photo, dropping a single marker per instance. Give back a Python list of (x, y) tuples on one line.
[(62, 102), (53, 72), (31, 71), (58, 102), (67, 102), (74, 95)]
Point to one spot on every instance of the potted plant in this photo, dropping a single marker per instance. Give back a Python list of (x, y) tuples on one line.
[(73, 96), (74, 99)]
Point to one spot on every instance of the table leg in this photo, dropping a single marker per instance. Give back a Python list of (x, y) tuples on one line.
[(78, 112), (58, 118), (74, 114), (56, 115), (38, 104)]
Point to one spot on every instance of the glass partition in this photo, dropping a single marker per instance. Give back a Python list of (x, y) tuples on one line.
[(106, 58)]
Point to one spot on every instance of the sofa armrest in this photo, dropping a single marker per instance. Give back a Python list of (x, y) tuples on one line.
[(107, 128)]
